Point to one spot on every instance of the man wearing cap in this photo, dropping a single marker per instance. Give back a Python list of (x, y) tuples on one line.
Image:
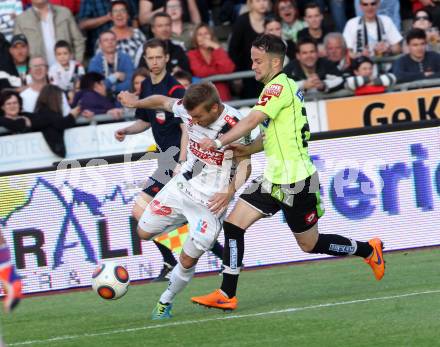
[(45, 24), (94, 18), (14, 71)]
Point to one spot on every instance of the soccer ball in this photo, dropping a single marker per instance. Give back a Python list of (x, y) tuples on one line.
[(110, 281)]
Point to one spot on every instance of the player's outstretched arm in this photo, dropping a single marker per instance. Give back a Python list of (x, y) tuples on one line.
[(155, 102), (242, 128)]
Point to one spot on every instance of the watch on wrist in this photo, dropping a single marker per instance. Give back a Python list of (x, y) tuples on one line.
[(181, 162), (218, 143)]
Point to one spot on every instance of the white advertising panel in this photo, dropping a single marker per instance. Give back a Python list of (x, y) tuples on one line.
[(60, 224)]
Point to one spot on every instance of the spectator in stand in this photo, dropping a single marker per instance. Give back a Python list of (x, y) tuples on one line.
[(181, 31), (336, 51), (273, 26), (389, 8), (313, 17), (72, 5), (161, 28), (139, 76), (66, 71), (245, 30), (11, 115), (422, 20), (338, 11), (49, 107), (364, 81), (418, 64), (14, 63), (289, 14), (116, 66), (433, 7), (128, 39), (38, 70), (9, 10), (44, 24), (94, 18), (208, 58), (184, 78), (92, 97), (311, 72), (19, 51), (48, 119), (148, 8), (372, 34)]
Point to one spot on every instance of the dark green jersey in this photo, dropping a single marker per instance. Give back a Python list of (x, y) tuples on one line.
[(285, 132)]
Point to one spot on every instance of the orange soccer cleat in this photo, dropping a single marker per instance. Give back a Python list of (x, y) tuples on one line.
[(216, 300), (375, 260)]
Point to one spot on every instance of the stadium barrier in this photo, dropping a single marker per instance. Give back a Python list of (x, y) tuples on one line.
[(375, 182)]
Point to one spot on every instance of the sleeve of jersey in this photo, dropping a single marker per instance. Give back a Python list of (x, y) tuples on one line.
[(178, 109), (177, 91), (273, 99)]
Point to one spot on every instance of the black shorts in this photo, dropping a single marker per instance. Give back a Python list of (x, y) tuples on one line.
[(300, 201), (161, 176)]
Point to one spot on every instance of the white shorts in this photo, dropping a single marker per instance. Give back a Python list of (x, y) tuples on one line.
[(171, 208)]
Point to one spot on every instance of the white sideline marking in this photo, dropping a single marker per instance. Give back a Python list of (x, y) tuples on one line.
[(187, 322)]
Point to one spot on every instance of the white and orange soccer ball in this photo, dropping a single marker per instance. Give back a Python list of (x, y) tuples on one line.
[(110, 281)]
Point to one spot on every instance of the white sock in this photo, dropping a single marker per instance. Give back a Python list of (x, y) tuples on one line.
[(179, 278)]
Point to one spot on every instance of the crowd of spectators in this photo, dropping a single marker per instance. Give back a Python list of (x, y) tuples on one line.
[(92, 50)]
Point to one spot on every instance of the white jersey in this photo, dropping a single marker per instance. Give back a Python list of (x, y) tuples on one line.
[(206, 172)]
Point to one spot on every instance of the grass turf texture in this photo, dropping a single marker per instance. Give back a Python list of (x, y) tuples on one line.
[(83, 319)]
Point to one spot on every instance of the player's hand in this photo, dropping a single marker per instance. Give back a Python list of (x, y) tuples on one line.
[(207, 143), (128, 99), (120, 135), (177, 169), (219, 202)]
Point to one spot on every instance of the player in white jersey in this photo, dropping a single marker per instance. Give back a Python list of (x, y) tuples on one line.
[(200, 193)]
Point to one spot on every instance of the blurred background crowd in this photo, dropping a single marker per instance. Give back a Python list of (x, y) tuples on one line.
[(61, 59)]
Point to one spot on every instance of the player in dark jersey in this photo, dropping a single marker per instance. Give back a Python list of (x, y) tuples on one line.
[(169, 133)]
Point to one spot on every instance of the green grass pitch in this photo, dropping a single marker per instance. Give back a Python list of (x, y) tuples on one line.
[(322, 303)]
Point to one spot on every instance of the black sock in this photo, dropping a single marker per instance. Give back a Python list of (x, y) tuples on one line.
[(217, 249), (339, 245), (232, 257), (167, 255)]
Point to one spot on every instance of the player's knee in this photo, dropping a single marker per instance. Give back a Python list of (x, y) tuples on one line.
[(144, 235), (136, 212), (307, 245), (186, 261)]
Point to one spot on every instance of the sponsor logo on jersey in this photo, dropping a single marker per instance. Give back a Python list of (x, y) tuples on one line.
[(202, 226), (300, 95), (230, 120), (310, 218), (209, 156), (161, 117), (157, 208), (264, 100), (274, 90)]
